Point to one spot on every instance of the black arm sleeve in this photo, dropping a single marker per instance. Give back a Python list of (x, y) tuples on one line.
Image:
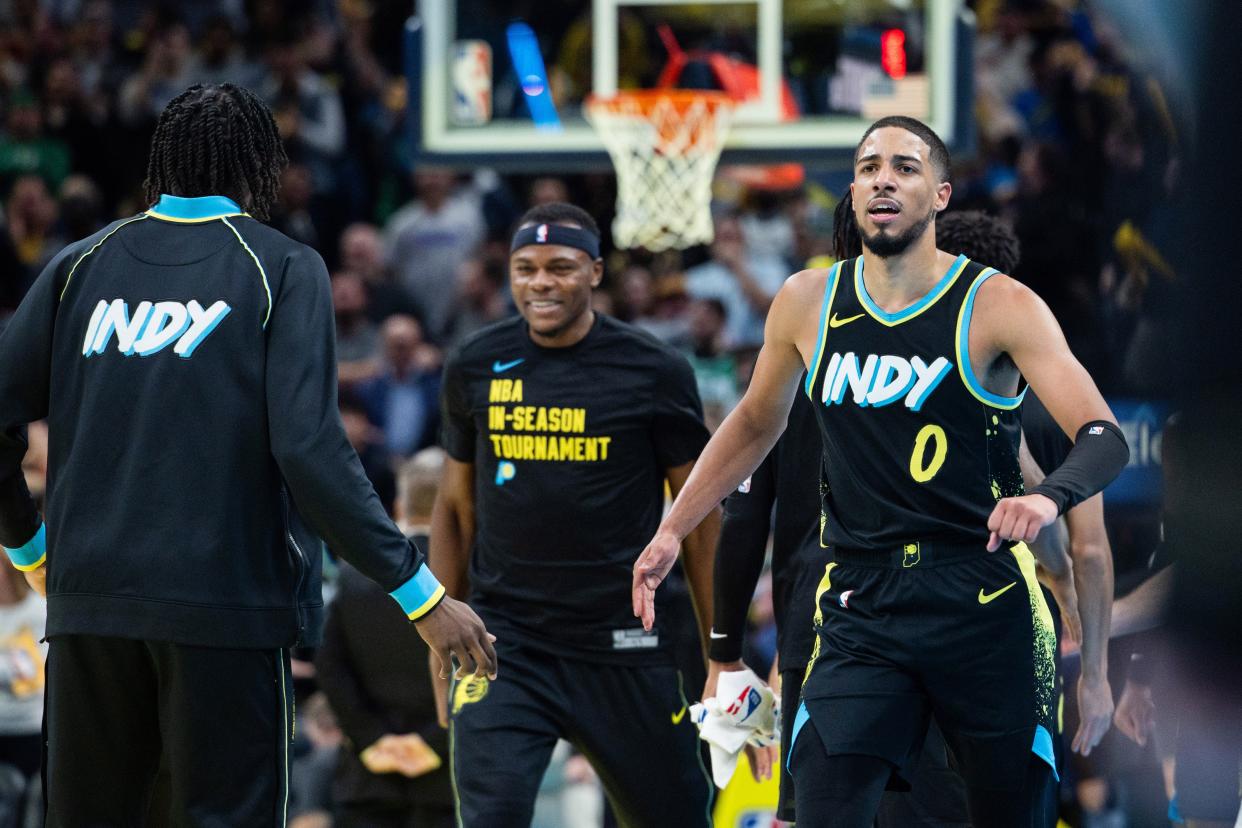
[(321, 469), (1099, 454), (739, 559)]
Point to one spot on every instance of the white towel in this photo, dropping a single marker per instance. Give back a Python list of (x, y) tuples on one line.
[(743, 711)]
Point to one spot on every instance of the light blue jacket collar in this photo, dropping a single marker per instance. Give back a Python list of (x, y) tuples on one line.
[(202, 208)]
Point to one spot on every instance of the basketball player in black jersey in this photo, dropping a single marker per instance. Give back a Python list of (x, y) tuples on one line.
[(930, 605), (562, 427)]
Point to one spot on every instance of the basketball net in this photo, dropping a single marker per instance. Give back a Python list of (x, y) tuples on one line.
[(664, 145)]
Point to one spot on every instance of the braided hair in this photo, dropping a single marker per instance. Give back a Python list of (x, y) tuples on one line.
[(846, 240), (217, 139)]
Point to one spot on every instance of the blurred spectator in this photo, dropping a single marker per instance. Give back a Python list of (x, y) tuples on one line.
[(220, 57), (307, 109), (641, 305), (743, 281), (368, 442), (480, 296), (291, 214), (428, 239), (24, 147), (362, 253), (393, 769), (714, 370), (81, 207), (165, 74), (316, 747), (90, 46), (30, 217), (357, 338), (546, 190), (403, 399), (22, 655), (767, 226)]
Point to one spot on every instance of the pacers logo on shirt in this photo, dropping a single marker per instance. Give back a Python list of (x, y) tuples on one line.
[(469, 690)]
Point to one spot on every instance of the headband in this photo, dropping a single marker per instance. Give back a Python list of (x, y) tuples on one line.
[(583, 240)]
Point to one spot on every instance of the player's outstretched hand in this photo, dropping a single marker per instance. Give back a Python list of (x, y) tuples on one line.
[(1095, 713), (37, 578), (1061, 585), (1020, 519), (1136, 712), (649, 570), (452, 630)]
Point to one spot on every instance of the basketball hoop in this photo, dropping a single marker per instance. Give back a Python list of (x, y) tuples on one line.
[(664, 145)]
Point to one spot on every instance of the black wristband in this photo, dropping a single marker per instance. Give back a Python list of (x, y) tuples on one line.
[(1099, 454)]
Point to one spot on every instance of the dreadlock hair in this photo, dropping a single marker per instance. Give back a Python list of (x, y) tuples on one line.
[(846, 240), (981, 237), (558, 212), (217, 139)]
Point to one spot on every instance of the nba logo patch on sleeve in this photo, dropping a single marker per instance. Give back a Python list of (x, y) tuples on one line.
[(745, 487), (1096, 430)]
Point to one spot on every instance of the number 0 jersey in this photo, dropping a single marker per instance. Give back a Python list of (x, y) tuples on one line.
[(915, 448)]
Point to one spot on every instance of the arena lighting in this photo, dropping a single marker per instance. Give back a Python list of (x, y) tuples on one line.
[(893, 52)]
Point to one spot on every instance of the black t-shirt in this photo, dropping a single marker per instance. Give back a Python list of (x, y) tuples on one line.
[(569, 447)]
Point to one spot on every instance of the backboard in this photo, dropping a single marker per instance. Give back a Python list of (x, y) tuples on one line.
[(813, 74)]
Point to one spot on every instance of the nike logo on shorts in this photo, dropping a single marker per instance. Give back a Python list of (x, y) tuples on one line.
[(990, 597), (679, 715), (500, 367)]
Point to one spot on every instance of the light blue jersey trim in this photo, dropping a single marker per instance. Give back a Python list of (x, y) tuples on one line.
[(940, 288), (32, 553), (963, 351), (800, 720), (194, 209), (1042, 747), (830, 285), (417, 595)]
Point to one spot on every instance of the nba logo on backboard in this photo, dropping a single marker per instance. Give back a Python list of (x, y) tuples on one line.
[(541, 234), (472, 83)]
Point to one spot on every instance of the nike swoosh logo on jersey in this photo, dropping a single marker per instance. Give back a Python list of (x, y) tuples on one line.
[(500, 367), (679, 715), (990, 597), (834, 322)]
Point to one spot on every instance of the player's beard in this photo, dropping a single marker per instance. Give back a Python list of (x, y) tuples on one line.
[(885, 244)]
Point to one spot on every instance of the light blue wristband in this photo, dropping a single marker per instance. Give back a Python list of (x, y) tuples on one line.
[(32, 554), (419, 595)]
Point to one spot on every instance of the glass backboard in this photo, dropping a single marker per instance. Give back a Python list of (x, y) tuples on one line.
[(809, 75)]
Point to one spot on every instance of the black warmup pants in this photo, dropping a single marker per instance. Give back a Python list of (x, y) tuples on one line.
[(631, 722), (213, 725)]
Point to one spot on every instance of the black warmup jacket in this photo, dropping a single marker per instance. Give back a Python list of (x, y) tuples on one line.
[(184, 359)]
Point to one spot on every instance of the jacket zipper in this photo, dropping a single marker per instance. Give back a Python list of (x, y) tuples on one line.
[(301, 564)]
